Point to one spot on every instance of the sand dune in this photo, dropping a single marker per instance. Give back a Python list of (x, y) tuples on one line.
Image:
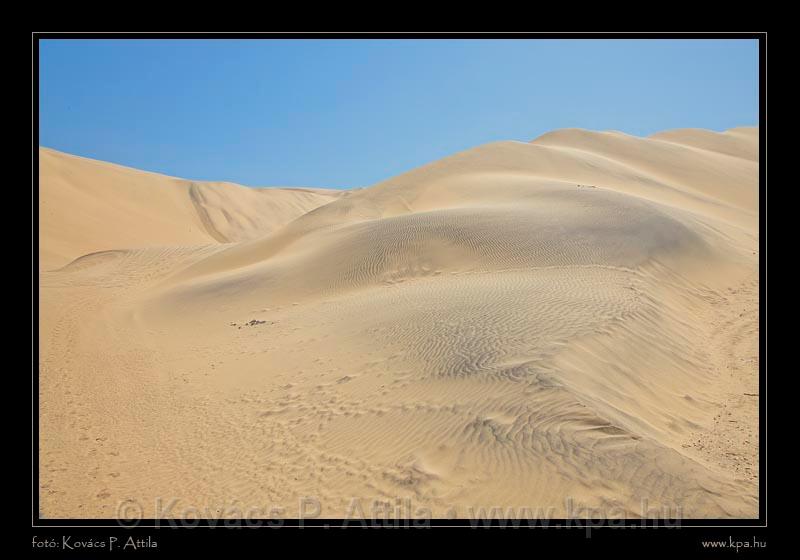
[(568, 325), (89, 206)]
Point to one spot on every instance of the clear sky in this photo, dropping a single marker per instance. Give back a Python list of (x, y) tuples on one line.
[(336, 113)]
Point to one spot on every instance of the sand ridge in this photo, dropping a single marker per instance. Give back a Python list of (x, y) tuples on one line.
[(568, 325)]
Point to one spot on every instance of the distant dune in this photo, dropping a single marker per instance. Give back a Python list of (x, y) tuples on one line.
[(567, 327), (87, 206)]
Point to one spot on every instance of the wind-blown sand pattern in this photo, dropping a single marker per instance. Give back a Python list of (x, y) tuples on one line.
[(564, 325)]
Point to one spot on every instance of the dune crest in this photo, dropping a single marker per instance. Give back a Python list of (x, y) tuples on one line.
[(567, 325)]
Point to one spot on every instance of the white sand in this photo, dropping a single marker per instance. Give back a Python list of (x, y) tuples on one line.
[(571, 320)]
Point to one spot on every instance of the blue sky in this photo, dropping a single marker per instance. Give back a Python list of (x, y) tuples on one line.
[(336, 113)]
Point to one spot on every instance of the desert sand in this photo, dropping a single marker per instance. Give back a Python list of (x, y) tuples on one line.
[(568, 325)]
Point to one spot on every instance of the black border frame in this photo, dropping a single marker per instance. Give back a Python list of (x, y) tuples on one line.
[(164, 525)]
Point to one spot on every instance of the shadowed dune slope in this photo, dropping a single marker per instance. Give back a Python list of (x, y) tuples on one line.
[(568, 325)]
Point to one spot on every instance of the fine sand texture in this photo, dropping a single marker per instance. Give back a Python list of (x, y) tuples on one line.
[(561, 328)]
